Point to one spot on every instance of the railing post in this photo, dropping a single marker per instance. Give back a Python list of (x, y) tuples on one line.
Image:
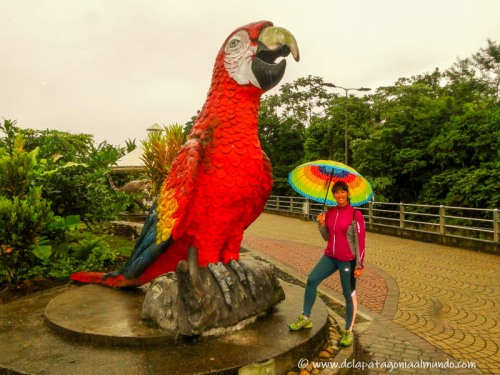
[(496, 225), (370, 212), (306, 208), (442, 221), (277, 203), (401, 216), (291, 204)]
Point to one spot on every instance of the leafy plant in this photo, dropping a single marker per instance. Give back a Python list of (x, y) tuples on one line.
[(154, 160), (28, 228), (15, 168), (130, 145), (92, 254), (175, 138), (72, 170), (55, 235), (160, 151), (22, 220), (10, 130)]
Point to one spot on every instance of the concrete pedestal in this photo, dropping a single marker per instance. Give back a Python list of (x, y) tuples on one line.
[(84, 325)]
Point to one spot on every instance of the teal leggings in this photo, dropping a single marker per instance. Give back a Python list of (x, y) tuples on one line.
[(325, 267)]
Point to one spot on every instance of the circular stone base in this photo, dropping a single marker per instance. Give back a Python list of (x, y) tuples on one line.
[(27, 346), (101, 315)]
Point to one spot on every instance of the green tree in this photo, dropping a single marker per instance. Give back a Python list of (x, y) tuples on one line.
[(467, 153), (304, 99), (477, 77), (189, 125), (394, 155), (74, 180)]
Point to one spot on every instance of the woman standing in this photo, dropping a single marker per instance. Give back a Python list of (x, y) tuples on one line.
[(344, 229)]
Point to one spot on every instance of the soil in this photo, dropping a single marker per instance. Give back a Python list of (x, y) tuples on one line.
[(118, 263), (26, 287), (37, 284)]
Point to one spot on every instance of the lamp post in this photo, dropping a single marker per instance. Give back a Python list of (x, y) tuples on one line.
[(346, 99)]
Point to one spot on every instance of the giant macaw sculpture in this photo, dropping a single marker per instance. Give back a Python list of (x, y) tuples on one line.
[(221, 179)]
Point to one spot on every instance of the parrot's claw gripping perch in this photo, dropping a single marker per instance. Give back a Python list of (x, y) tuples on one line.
[(223, 279), (238, 271), (244, 275)]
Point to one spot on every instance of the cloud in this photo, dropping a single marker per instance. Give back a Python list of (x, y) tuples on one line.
[(112, 68)]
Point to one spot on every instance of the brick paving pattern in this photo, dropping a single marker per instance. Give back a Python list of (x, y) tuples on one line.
[(440, 302), (371, 290)]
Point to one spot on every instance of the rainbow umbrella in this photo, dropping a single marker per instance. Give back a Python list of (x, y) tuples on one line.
[(313, 179)]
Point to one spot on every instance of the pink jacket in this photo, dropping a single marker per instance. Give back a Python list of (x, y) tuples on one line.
[(345, 233)]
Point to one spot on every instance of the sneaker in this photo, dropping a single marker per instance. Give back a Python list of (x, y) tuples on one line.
[(342, 336), (301, 324), (346, 339)]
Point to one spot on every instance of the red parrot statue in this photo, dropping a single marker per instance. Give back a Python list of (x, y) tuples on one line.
[(221, 179)]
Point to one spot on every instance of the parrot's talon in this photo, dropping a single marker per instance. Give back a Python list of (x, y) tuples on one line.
[(226, 274), (250, 278), (238, 270), (220, 276)]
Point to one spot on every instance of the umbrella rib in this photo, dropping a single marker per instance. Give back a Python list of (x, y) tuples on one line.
[(328, 188)]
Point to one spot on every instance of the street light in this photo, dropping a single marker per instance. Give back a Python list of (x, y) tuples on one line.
[(346, 99)]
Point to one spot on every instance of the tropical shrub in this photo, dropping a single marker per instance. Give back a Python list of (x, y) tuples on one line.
[(24, 214), (15, 167), (72, 171), (22, 221), (87, 255), (83, 191), (160, 150)]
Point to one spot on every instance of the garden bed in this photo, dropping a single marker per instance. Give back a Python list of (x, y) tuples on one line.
[(122, 245)]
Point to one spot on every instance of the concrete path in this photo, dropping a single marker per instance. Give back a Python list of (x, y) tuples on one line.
[(429, 302)]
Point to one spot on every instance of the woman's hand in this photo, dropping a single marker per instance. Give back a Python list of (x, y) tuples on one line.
[(358, 273), (321, 219)]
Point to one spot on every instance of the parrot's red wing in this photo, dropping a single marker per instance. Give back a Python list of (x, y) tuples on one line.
[(161, 230), (266, 185), (178, 192)]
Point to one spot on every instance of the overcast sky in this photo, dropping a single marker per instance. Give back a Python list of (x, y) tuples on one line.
[(113, 68)]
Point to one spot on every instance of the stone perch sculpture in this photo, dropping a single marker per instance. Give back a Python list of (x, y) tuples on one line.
[(189, 302)]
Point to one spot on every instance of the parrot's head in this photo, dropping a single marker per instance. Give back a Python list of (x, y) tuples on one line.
[(248, 55)]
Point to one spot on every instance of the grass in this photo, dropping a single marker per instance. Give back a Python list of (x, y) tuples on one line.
[(123, 245)]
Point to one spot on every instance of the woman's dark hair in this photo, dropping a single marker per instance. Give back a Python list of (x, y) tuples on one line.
[(340, 185)]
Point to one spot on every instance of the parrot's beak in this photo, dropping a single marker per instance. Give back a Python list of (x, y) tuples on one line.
[(273, 42)]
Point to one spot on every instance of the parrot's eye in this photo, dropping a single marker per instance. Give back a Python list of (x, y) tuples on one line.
[(237, 44)]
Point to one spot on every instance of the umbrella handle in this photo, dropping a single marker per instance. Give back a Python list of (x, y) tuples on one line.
[(314, 219)]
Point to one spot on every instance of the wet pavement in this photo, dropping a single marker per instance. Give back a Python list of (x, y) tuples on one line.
[(429, 302), (29, 346)]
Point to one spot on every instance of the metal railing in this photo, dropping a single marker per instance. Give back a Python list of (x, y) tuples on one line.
[(462, 222)]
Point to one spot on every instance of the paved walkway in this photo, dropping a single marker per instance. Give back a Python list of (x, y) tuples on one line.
[(428, 301)]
